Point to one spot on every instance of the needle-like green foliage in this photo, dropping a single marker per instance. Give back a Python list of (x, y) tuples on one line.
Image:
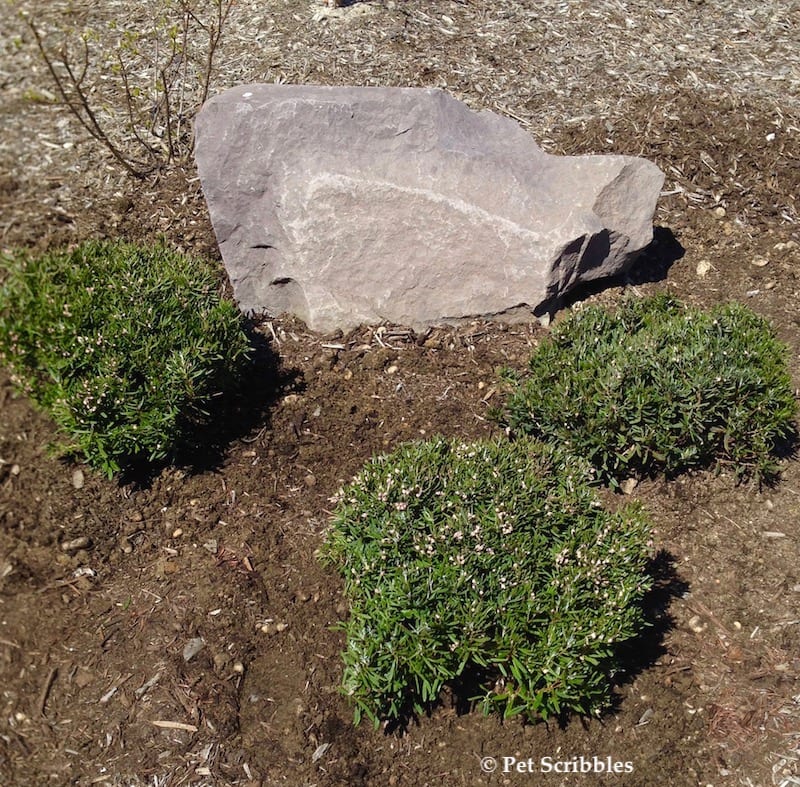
[(656, 385), (491, 562), (124, 346)]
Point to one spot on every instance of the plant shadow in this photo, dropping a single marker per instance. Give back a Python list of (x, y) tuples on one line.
[(642, 652), (787, 445), (233, 416)]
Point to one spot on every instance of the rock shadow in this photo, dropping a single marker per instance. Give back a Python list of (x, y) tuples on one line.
[(651, 265)]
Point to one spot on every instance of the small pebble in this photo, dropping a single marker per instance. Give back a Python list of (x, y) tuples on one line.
[(177, 532), (392, 369), (77, 478), (310, 480), (192, 648), (14, 470), (76, 544), (760, 262), (703, 267), (769, 504), (720, 212), (125, 546), (220, 660), (280, 627), (238, 668), (696, 624), (737, 625)]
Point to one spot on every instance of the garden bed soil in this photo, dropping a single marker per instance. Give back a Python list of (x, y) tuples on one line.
[(95, 686)]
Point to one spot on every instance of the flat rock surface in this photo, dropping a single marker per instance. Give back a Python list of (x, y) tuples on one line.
[(347, 205)]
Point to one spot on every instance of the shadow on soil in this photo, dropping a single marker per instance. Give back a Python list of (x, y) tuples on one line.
[(644, 651), (652, 265), (787, 445), (232, 417), (632, 657), (656, 259)]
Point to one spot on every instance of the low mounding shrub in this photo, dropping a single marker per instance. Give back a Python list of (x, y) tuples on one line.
[(490, 564), (124, 347), (659, 386)]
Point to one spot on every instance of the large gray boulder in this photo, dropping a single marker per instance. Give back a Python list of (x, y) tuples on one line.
[(347, 205)]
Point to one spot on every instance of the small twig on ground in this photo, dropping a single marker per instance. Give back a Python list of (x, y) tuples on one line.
[(45, 693), (174, 725)]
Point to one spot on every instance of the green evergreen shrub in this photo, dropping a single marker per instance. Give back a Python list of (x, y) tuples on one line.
[(656, 385), (124, 347), (490, 562)]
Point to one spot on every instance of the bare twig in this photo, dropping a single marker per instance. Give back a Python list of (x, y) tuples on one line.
[(129, 102), (79, 105), (222, 10), (45, 693), (171, 91)]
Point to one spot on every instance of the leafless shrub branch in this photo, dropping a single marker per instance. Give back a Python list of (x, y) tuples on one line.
[(159, 78)]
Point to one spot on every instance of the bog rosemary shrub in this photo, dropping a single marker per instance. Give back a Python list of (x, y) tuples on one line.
[(124, 346), (658, 386), (490, 562)]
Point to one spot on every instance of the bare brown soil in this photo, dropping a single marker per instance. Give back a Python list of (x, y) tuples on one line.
[(94, 684)]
